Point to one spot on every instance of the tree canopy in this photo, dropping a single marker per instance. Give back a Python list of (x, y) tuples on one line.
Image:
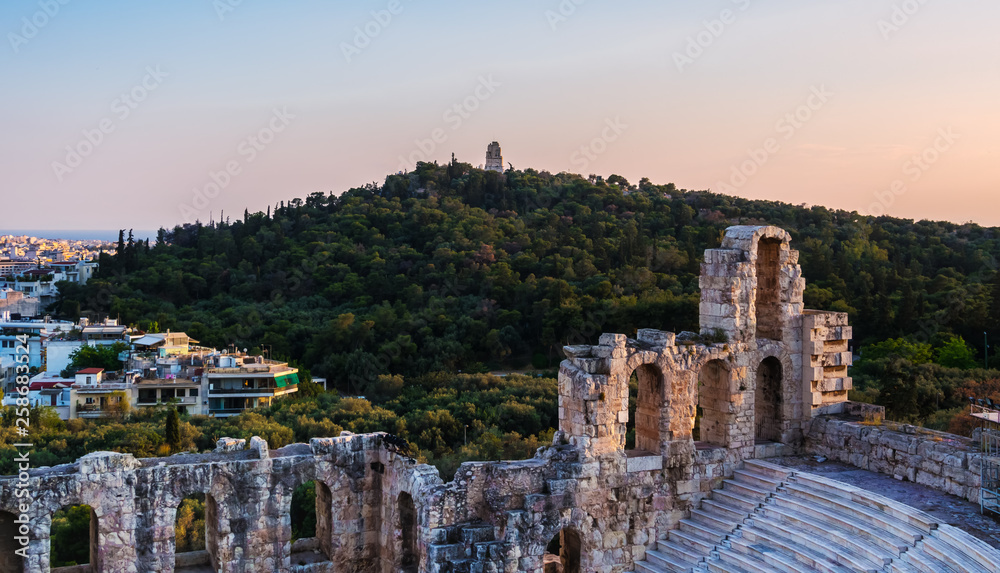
[(453, 268)]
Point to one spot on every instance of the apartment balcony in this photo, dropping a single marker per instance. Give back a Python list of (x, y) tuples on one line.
[(227, 413), (91, 411), (247, 369), (103, 388), (185, 401)]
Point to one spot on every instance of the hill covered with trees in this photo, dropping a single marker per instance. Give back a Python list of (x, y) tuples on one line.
[(451, 269), (454, 268)]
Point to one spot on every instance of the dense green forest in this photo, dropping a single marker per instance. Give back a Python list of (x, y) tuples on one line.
[(452, 268), (392, 291)]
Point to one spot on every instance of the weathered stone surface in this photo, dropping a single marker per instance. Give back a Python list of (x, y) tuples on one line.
[(943, 461)]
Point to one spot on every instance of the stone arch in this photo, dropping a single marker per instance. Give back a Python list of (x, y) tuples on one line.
[(767, 299), (715, 407), (10, 562), (324, 518), (340, 508), (768, 401), (229, 518), (303, 525), (303, 550), (189, 553), (409, 552), (563, 553), (645, 417), (65, 517)]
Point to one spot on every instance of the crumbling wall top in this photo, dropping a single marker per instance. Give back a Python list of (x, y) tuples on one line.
[(745, 237), (107, 462)]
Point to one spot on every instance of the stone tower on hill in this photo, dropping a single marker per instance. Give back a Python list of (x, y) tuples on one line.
[(494, 159)]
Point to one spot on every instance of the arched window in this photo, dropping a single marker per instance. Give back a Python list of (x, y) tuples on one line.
[(642, 431), (324, 519), (311, 519), (714, 404), (189, 533), (562, 554), (10, 562), (767, 401), (73, 538), (768, 300), (303, 511), (409, 556)]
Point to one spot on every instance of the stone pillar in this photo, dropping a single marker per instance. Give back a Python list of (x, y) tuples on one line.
[(110, 487), (825, 358), (593, 402)]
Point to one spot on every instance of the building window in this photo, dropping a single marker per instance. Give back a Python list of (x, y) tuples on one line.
[(193, 392)]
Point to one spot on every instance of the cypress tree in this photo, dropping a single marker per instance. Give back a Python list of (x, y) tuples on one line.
[(173, 432)]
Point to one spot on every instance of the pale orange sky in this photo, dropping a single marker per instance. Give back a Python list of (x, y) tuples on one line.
[(694, 90)]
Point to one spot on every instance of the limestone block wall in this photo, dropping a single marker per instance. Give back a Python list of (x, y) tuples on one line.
[(943, 461), (825, 358), (248, 496)]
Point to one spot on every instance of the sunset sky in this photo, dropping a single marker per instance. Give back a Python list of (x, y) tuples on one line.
[(869, 105)]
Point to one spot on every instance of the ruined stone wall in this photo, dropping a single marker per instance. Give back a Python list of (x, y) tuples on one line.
[(943, 461), (135, 503)]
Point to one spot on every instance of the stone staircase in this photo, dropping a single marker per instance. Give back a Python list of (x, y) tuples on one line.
[(771, 519)]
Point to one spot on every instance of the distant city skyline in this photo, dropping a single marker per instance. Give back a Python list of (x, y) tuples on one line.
[(151, 115), (78, 234)]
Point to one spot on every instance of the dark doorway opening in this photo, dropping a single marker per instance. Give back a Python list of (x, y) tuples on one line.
[(767, 401)]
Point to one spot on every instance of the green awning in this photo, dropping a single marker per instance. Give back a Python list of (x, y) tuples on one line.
[(285, 379)]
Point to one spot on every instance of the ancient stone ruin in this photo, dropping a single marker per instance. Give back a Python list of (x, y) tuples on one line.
[(749, 385), (494, 158)]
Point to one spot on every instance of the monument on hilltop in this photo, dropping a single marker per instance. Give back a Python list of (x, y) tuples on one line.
[(494, 159)]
